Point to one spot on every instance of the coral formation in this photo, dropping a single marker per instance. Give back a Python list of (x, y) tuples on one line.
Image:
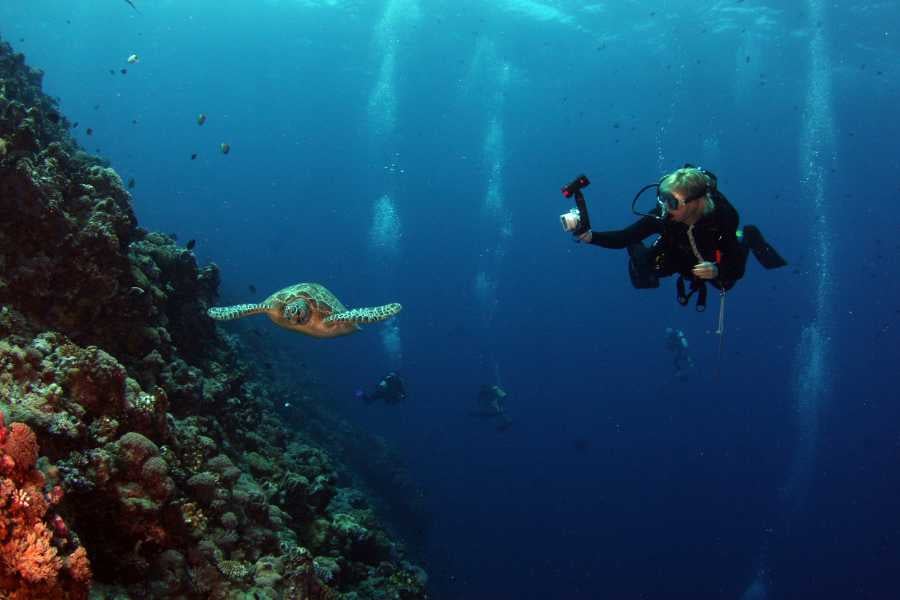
[(39, 557), (165, 471)]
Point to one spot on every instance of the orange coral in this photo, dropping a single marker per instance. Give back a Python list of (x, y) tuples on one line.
[(30, 564), (21, 445), (78, 565), (31, 556)]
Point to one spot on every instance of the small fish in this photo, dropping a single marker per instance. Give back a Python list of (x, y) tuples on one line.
[(131, 183), (75, 125), (201, 119), (252, 288), (112, 72), (124, 71), (135, 291), (132, 59), (190, 245), (225, 148), (134, 121), (89, 131), (194, 156), (96, 107)]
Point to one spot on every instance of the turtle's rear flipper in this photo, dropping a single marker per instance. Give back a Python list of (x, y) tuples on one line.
[(229, 313), (767, 256), (370, 314)]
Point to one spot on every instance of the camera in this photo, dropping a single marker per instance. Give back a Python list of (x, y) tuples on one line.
[(570, 220), (576, 220)]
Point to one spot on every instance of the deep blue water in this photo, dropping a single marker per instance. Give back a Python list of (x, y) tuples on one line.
[(696, 489)]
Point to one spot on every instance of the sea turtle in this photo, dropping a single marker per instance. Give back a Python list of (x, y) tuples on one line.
[(308, 308)]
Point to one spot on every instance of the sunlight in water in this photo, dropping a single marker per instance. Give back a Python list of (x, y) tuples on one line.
[(497, 72), (383, 100), (393, 345), (542, 12), (493, 158), (385, 234), (756, 591), (486, 294), (817, 147), (382, 104)]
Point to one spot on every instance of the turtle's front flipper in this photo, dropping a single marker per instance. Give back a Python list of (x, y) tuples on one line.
[(370, 314), (229, 313)]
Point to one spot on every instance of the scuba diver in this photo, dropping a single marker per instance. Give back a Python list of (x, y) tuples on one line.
[(391, 389), (489, 404), (699, 239), (677, 344)]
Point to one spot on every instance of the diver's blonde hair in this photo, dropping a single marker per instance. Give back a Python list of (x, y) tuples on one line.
[(691, 181)]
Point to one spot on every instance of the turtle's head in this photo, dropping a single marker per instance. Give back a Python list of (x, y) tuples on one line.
[(297, 312)]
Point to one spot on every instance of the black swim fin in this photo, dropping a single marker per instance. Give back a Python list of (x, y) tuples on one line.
[(767, 256)]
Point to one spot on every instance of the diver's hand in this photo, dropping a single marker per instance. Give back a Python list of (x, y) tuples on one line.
[(586, 236), (706, 270)]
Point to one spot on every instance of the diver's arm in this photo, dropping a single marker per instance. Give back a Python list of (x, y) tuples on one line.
[(622, 238)]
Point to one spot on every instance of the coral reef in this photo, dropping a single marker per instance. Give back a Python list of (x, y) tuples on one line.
[(39, 557), (165, 470)]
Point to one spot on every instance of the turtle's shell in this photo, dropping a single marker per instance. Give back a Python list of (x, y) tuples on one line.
[(322, 304)]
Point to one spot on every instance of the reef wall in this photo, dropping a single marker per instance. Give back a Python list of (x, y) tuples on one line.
[(165, 470)]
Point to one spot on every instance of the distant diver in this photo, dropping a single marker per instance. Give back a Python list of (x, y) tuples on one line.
[(490, 404), (677, 344), (131, 4), (390, 390)]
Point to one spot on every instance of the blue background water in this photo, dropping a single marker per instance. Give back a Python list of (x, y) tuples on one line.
[(682, 489)]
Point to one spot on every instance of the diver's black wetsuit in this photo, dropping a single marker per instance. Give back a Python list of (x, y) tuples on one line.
[(714, 235)]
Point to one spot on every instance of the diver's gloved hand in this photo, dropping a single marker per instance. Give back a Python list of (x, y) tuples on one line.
[(586, 236), (706, 270)]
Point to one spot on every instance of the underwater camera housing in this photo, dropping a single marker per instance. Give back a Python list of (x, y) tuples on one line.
[(575, 186), (576, 220)]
